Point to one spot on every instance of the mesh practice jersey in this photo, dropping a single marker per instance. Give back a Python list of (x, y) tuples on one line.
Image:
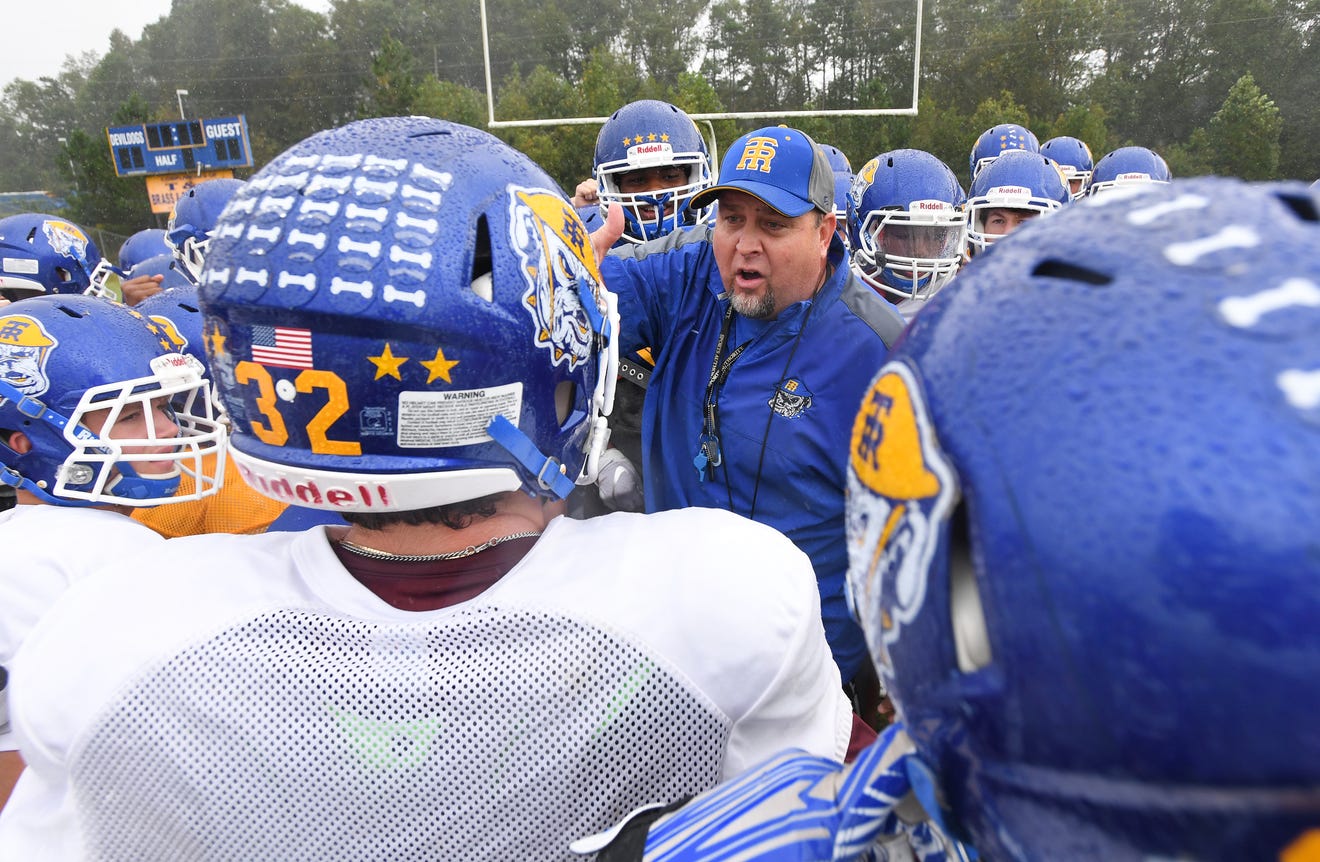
[(235, 508), (262, 704), (46, 549)]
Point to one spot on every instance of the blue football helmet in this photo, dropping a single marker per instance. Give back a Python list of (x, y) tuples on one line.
[(997, 140), (177, 311), (107, 281), (843, 180), (1092, 590), (194, 219), (652, 134), (165, 265), (1073, 157), (906, 224), (405, 313), (44, 254), (77, 377), (1127, 167), (1017, 180), (142, 245)]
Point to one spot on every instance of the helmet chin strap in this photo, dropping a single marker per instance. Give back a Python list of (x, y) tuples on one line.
[(551, 474)]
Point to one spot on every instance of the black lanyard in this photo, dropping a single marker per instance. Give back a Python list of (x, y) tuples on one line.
[(708, 454), (708, 447)]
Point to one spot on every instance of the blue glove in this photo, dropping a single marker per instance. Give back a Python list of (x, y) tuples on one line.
[(793, 808)]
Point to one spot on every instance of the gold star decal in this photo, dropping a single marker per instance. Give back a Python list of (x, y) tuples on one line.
[(637, 140), (626, 140), (388, 363), (439, 367), (217, 342), (651, 137), (664, 136)]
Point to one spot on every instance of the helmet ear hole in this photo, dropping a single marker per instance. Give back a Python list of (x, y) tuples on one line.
[(565, 397), (483, 263), (971, 635)]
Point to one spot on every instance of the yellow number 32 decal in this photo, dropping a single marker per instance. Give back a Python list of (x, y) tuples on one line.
[(273, 431)]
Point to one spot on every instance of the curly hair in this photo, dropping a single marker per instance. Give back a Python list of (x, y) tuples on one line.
[(455, 516)]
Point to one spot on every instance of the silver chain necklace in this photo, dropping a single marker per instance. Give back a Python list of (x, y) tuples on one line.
[(469, 551)]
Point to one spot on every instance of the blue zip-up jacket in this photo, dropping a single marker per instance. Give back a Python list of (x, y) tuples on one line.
[(784, 422)]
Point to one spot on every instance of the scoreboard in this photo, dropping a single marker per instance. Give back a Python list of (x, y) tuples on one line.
[(180, 146)]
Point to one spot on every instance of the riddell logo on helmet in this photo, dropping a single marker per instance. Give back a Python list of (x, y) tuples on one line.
[(1014, 191), (937, 206), (309, 493), (649, 149)]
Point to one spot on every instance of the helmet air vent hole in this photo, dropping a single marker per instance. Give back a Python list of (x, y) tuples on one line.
[(1062, 269), (1302, 206)]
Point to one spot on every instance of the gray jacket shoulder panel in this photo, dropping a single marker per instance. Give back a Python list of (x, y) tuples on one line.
[(874, 310)]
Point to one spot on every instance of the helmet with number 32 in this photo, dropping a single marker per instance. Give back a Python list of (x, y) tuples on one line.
[(404, 313)]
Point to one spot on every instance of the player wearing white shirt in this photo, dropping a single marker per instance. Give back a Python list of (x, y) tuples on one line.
[(461, 673), (95, 419), (47, 548)]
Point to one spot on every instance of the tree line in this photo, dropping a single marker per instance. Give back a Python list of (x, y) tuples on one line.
[(1215, 86)]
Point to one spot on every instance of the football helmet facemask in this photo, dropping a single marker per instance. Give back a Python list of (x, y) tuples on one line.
[(906, 225), (644, 135), (1017, 180), (85, 381)]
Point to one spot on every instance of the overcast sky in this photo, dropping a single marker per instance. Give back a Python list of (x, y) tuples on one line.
[(39, 34)]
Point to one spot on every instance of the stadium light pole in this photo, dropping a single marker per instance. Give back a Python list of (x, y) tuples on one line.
[(180, 94)]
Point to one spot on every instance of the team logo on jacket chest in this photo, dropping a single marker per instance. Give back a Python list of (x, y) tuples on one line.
[(792, 398)]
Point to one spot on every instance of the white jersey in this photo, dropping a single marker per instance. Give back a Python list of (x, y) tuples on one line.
[(262, 704), (47, 548)]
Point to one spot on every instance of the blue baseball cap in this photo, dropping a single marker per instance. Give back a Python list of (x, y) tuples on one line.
[(781, 166)]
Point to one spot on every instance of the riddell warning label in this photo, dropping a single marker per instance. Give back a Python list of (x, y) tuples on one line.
[(458, 418)]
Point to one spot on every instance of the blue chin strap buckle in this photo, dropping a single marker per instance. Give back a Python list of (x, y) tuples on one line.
[(548, 472)]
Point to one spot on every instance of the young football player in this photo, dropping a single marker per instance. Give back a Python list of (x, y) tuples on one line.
[(97, 417)]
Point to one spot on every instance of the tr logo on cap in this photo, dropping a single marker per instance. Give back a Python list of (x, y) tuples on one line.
[(757, 154)]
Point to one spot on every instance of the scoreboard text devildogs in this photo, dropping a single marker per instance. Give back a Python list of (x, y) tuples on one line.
[(180, 146)]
